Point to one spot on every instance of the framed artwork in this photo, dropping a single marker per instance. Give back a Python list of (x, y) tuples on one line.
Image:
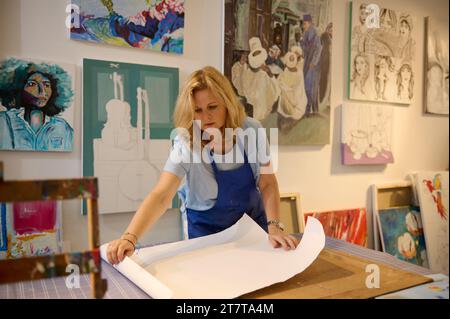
[(36, 105), (291, 214), (145, 24), (127, 122), (31, 229), (277, 55), (436, 78), (389, 195), (402, 234), (383, 54), (366, 137), (349, 225), (432, 192)]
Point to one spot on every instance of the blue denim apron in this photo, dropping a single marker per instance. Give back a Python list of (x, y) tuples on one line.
[(237, 194)]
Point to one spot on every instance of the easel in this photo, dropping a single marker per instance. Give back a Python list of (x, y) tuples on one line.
[(40, 267)]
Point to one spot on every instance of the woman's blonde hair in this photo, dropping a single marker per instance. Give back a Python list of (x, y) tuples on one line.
[(208, 78)]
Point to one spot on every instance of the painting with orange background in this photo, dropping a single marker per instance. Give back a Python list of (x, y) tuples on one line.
[(349, 225)]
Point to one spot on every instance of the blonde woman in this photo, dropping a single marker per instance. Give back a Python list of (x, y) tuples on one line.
[(215, 194)]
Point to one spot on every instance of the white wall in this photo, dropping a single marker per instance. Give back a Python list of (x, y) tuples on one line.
[(35, 29)]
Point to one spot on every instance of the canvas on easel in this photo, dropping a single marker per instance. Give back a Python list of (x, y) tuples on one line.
[(55, 265)]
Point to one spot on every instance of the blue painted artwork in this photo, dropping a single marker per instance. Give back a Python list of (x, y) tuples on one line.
[(145, 24), (3, 237), (36, 112), (402, 234)]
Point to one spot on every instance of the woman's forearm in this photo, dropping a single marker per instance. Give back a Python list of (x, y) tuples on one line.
[(154, 205), (151, 209), (271, 198)]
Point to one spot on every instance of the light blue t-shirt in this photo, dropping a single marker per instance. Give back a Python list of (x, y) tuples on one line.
[(199, 190), (16, 134)]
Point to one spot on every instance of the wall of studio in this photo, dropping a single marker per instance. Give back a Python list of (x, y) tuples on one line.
[(36, 29)]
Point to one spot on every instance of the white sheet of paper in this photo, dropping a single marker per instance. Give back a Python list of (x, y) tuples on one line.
[(225, 265)]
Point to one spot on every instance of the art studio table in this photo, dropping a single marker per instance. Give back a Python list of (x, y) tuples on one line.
[(119, 287)]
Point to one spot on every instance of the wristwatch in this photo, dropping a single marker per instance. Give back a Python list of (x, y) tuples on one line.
[(276, 223)]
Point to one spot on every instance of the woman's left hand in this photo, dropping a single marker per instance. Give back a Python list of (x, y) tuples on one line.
[(279, 238)]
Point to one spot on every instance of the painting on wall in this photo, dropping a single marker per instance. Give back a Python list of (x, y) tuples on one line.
[(349, 225), (366, 137), (31, 229), (432, 192), (126, 129), (383, 54), (278, 58), (36, 105), (437, 60), (402, 234), (146, 24)]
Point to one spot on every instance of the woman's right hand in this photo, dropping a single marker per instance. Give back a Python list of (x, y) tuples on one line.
[(118, 249)]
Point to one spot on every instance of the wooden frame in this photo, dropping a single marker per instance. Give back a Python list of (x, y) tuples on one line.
[(292, 220), (389, 195), (40, 267)]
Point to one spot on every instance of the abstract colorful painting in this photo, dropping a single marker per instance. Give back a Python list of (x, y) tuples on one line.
[(349, 225), (278, 57), (432, 192), (127, 122), (437, 61), (367, 134), (402, 234), (32, 229), (36, 111), (145, 24), (383, 54)]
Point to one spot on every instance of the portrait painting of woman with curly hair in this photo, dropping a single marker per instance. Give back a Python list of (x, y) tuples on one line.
[(35, 106)]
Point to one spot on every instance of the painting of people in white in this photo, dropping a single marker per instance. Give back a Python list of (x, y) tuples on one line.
[(237, 72), (286, 81), (274, 61), (260, 88), (366, 135), (383, 41), (293, 100), (437, 61)]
